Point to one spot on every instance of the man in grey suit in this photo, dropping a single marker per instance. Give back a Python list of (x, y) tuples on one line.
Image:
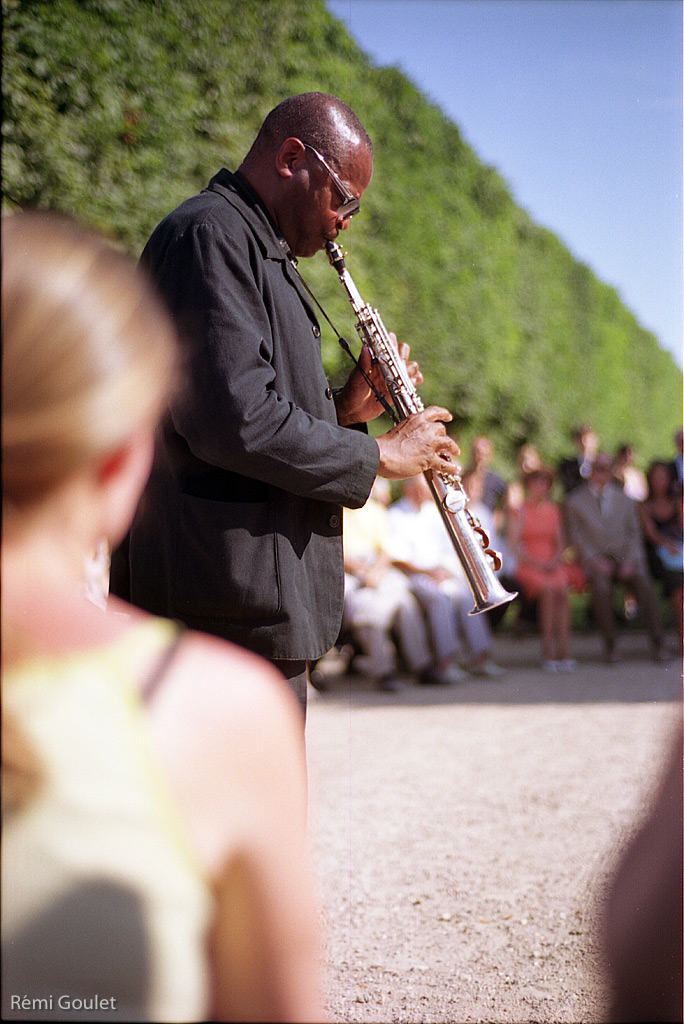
[(239, 532), (603, 527)]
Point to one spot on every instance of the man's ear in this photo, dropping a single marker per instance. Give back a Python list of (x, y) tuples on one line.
[(289, 157), (120, 479)]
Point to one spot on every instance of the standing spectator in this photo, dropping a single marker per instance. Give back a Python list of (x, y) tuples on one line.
[(678, 461), (493, 486), (631, 479), (240, 529), (661, 520), (527, 459), (633, 483), (604, 529), (538, 543), (577, 469)]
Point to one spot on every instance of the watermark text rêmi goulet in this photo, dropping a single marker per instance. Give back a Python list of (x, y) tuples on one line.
[(63, 1002)]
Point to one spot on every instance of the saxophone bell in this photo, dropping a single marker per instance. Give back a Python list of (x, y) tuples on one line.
[(479, 562)]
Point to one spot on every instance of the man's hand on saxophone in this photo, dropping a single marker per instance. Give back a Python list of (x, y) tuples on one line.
[(415, 444), (356, 402), (418, 443)]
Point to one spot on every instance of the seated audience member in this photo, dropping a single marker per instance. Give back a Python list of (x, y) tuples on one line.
[(604, 529), (538, 542), (378, 600), (577, 468), (154, 794), (626, 474), (421, 548), (661, 521)]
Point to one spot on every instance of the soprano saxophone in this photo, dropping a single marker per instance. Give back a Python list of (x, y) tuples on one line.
[(469, 539)]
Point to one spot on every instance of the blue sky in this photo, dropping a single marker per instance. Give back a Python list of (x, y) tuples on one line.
[(578, 105)]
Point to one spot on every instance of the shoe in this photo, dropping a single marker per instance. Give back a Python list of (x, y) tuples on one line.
[(551, 666), (388, 685), (610, 657), (489, 670), (317, 680), (660, 654), (454, 674), (567, 665), (431, 677)]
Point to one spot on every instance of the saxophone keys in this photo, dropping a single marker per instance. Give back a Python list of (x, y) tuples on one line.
[(455, 501), (494, 557)]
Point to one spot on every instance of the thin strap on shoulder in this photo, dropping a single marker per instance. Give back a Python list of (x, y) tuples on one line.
[(156, 676)]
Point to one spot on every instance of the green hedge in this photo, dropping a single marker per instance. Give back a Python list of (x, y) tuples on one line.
[(116, 110)]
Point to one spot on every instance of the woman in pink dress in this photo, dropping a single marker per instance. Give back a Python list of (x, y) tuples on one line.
[(536, 538)]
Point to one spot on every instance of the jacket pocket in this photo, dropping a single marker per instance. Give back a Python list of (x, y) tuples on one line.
[(226, 563)]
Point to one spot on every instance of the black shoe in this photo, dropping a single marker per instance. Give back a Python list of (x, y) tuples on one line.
[(317, 680), (431, 677), (388, 685)]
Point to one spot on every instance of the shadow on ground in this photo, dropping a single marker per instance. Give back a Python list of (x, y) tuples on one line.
[(634, 678)]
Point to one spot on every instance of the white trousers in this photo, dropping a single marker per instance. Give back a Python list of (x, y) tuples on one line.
[(375, 614)]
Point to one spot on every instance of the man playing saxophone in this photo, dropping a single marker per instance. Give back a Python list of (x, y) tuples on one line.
[(239, 532)]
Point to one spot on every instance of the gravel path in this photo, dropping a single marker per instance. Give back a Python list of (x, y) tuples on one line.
[(462, 835)]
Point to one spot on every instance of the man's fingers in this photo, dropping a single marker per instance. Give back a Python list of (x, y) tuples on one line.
[(365, 357), (442, 464), (436, 412), (415, 374)]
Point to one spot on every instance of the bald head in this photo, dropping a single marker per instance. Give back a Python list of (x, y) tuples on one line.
[(321, 120)]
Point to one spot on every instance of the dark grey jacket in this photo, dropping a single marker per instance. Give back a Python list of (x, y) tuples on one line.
[(240, 528)]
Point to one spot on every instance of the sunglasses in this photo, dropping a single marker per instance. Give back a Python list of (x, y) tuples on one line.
[(351, 204)]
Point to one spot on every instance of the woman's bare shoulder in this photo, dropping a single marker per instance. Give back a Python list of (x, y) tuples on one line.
[(230, 735), (235, 678)]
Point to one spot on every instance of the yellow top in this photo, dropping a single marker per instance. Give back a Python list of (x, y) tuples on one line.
[(366, 531), (102, 901)]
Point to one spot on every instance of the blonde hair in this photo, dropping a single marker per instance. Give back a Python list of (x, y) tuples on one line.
[(89, 356), (88, 353)]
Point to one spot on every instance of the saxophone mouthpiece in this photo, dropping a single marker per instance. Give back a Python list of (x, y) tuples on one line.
[(335, 255)]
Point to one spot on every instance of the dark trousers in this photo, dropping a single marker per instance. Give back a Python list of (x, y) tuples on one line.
[(296, 674), (642, 587)]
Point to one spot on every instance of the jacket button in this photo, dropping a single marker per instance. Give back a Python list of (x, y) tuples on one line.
[(316, 331), (334, 521)]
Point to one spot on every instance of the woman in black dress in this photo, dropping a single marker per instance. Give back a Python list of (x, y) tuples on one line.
[(661, 519)]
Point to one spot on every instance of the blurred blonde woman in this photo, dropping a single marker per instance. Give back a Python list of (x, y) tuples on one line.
[(154, 797)]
